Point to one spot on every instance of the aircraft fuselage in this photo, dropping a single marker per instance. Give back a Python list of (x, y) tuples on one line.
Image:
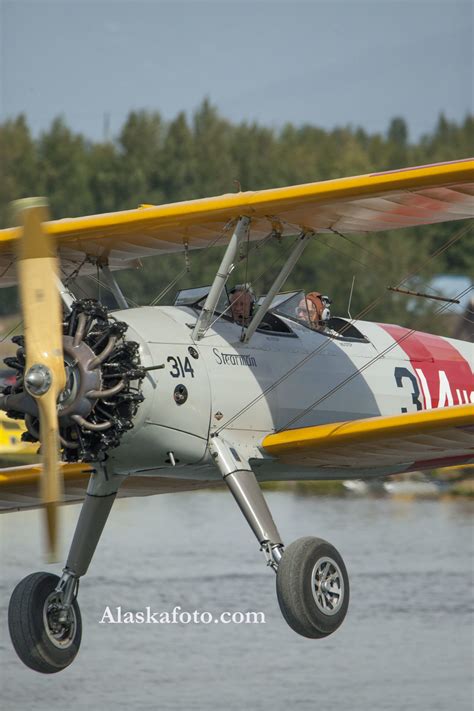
[(276, 381)]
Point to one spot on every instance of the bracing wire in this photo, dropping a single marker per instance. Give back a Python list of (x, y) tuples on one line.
[(263, 273), (360, 370), (11, 331), (185, 269), (385, 261), (93, 278), (454, 238)]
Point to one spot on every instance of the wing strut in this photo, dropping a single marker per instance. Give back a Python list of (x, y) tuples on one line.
[(285, 271), (223, 273)]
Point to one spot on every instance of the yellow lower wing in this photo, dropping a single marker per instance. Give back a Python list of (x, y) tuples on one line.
[(438, 437), (19, 486)]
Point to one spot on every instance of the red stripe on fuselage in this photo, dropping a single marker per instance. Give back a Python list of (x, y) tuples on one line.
[(440, 368)]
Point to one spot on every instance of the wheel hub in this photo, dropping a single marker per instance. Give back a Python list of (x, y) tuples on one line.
[(327, 585), (60, 633)]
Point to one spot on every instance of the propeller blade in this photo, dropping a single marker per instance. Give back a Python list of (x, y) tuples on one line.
[(51, 480), (45, 375)]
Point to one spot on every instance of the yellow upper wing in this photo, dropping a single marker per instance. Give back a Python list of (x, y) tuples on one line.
[(367, 203), (424, 439)]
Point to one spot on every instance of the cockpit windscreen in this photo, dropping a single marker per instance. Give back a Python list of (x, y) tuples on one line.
[(196, 297), (292, 305)]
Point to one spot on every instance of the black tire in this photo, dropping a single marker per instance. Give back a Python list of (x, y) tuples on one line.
[(33, 642), (297, 575)]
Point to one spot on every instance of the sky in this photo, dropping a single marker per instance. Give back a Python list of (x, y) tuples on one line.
[(327, 63)]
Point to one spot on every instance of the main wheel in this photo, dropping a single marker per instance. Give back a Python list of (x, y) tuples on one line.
[(41, 640), (312, 587)]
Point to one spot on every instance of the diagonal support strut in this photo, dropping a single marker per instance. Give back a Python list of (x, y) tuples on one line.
[(223, 273)]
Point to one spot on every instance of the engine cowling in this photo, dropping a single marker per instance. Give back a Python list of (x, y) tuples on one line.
[(103, 384)]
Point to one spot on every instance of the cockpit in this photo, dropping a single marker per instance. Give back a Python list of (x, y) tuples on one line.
[(283, 310)]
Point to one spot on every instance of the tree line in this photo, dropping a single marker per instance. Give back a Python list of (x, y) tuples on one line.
[(156, 161)]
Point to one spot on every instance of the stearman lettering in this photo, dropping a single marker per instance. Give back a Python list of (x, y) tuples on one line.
[(234, 359)]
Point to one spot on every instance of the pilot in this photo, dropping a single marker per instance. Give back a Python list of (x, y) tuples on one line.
[(314, 309), (242, 302)]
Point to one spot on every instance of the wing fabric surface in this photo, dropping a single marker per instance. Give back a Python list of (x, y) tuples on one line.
[(19, 486), (421, 440), (367, 203)]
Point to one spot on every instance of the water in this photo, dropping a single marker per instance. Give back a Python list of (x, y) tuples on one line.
[(405, 644)]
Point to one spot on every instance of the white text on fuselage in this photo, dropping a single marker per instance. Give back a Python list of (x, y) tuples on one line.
[(446, 395)]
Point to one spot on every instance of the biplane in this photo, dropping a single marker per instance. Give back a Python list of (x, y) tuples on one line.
[(137, 401)]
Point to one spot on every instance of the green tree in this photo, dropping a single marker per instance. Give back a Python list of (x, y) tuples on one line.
[(152, 161), (19, 169), (178, 161), (104, 177), (215, 168), (64, 171), (140, 159), (254, 152), (398, 142)]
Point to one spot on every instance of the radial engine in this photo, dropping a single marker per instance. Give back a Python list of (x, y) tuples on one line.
[(103, 384)]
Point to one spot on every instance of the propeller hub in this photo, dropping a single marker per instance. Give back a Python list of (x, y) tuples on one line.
[(38, 380)]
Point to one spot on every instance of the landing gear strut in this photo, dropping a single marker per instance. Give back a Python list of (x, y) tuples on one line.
[(311, 578), (43, 616)]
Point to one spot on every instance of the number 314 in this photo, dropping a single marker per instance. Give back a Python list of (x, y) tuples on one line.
[(178, 368)]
